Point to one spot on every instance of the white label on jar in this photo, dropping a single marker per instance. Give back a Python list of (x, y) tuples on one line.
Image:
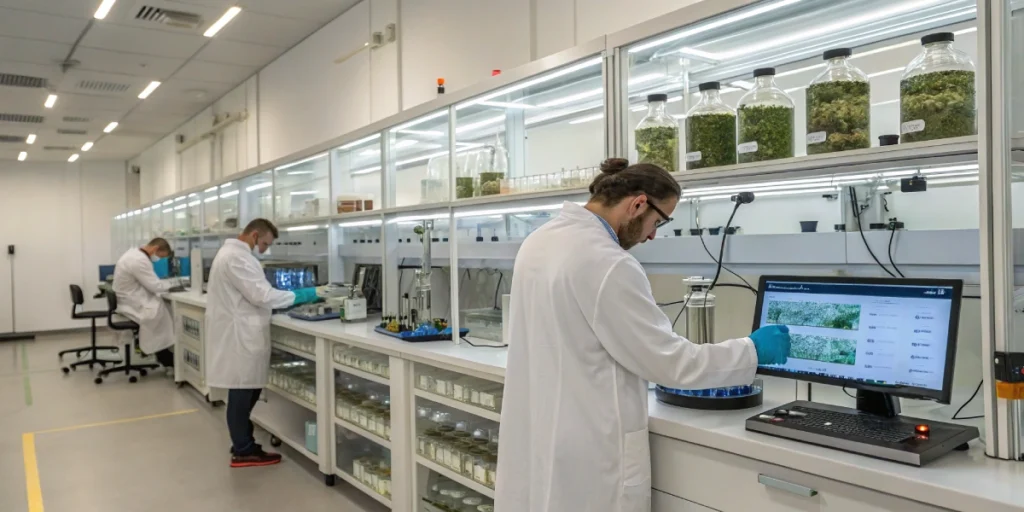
[(480, 474), (912, 126), (694, 157), (747, 147), (816, 137)]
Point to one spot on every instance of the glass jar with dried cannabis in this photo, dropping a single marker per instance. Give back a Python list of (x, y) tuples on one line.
[(838, 106), (765, 121), (657, 135), (937, 92), (710, 130)]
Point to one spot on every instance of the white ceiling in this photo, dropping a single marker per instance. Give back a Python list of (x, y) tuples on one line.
[(37, 35)]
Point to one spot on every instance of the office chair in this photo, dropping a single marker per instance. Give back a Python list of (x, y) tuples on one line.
[(124, 325), (77, 301)]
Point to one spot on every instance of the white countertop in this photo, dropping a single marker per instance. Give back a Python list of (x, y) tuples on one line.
[(960, 480)]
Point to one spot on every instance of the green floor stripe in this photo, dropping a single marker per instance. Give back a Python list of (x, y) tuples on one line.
[(25, 378)]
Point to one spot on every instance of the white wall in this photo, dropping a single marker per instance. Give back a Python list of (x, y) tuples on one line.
[(62, 237)]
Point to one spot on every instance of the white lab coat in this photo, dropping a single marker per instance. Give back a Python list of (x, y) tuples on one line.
[(239, 303), (138, 292), (586, 336)]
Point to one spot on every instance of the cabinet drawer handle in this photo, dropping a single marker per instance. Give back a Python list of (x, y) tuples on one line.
[(783, 485)]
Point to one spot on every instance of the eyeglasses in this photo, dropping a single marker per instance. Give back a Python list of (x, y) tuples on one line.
[(665, 219)]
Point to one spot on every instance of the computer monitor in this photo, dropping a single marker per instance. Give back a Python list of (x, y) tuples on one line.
[(891, 336)]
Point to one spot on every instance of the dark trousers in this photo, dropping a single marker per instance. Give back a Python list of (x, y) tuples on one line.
[(240, 405), (165, 357)]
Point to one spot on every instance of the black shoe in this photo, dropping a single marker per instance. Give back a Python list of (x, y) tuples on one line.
[(256, 458)]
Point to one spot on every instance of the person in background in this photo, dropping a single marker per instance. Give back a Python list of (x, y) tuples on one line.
[(138, 292), (586, 337), (238, 307)]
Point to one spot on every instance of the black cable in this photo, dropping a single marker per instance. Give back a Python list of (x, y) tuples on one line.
[(860, 228), (737, 285), (700, 234), (891, 262), (481, 346), (848, 393), (498, 289), (957, 413), (972, 297), (721, 248), (685, 302)]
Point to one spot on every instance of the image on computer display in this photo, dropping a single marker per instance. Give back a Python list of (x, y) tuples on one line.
[(877, 334)]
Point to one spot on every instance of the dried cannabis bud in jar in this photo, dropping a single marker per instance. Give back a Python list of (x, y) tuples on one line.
[(658, 145), (838, 117), (764, 133), (937, 105), (710, 140)]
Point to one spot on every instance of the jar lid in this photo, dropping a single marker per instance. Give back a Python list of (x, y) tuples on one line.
[(888, 140), (709, 86), (657, 97), (937, 37), (836, 52), (764, 72)]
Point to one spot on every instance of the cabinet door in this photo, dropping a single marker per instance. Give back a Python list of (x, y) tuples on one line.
[(661, 502)]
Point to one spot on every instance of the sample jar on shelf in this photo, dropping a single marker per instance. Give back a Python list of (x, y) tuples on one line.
[(710, 130), (657, 135), (434, 188), (465, 174), (765, 121), (937, 95), (838, 106), (497, 168)]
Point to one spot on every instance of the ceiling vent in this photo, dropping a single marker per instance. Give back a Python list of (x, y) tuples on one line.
[(101, 86), (22, 81), (12, 139), (59, 148), (76, 119), (71, 131), (20, 118), (169, 17)]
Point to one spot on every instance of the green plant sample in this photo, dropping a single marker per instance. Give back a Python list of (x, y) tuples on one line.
[(823, 348), (842, 110), (658, 145), (490, 183), (771, 127), (944, 100), (815, 314), (463, 188), (714, 135)]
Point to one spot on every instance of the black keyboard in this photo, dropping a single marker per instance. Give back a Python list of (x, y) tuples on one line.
[(851, 425)]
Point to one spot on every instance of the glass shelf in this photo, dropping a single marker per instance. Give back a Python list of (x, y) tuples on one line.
[(228, 207), (356, 175), (257, 197), (302, 189), (211, 210), (418, 153)]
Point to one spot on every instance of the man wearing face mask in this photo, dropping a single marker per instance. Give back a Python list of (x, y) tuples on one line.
[(138, 292), (239, 303), (587, 336)]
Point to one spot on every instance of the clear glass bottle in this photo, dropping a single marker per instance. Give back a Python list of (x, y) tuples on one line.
[(838, 106), (710, 130), (937, 93), (471, 503), (465, 175), (434, 187), (657, 135), (497, 168), (765, 121)]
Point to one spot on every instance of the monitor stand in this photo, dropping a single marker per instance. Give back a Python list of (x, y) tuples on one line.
[(878, 403)]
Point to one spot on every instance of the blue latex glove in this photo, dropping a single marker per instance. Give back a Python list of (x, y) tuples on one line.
[(772, 344), (305, 296)]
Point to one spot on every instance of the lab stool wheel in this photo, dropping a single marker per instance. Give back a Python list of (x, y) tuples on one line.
[(143, 373), (66, 370), (274, 441), (133, 379), (98, 380)]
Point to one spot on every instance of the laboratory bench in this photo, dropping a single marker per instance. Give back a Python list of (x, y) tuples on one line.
[(701, 460)]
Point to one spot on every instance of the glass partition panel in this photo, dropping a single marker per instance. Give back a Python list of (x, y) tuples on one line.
[(167, 227), (543, 133), (228, 207), (418, 160), (298, 258), (257, 197), (181, 220), (855, 93), (356, 173), (147, 224), (211, 211), (302, 189), (195, 214), (359, 260), (417, 267)]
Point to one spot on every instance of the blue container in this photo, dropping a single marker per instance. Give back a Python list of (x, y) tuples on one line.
[(311, 436)]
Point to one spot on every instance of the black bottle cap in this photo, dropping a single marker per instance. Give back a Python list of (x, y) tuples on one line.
[(709, 86), (657, 97), (840, 227), (435, 239), (479, 239), (764, 72), (494, 238), (836, 52), (888, 140), (937, 37)]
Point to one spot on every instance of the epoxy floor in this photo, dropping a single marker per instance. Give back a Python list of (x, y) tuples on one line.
[(175, 461)]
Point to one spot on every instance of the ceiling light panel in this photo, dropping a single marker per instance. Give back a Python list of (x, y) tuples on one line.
[(51, 100), (104, 9), (22, 156), (110, 127), (73, 157), (224, 20), (31, 139), (87, 146)]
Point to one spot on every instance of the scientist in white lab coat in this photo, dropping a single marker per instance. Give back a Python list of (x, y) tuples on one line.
[(138, 292), (586, 336), (239, 303)]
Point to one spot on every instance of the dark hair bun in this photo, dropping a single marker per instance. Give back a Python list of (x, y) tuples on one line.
[(614, 165)]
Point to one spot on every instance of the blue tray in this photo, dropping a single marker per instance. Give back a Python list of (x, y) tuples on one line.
[(315, 318), (410, 337)]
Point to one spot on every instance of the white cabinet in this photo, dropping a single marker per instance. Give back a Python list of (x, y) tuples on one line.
[(661, 502), (728, 482)]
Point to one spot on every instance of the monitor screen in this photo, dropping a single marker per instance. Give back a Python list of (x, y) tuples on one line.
[(865, 332)]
